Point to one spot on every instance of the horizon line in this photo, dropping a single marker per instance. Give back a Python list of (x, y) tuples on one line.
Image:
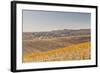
[(58, 30)]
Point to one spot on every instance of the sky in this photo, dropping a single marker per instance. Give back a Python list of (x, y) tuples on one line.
[(38, 21)]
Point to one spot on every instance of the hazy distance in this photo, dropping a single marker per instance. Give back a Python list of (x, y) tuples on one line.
[(38, 21)]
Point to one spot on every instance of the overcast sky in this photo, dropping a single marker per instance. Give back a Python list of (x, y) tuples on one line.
[(36, 21)]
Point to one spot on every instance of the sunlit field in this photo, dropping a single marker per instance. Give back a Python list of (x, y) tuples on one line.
[(74, 52)]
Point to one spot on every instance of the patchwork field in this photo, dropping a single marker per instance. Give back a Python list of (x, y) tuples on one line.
[(62, 45)]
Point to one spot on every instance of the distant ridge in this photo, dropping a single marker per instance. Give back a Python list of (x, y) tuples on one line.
[(56, 33)]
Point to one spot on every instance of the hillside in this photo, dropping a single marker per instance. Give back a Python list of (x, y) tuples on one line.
[(66, 44), (41, 45), (55, 34), (79, 51)]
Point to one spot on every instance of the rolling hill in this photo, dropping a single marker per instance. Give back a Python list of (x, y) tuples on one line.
[(74, 52), (71, 44)]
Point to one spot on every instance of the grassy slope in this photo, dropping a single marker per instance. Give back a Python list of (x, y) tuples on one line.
[(79, 51), (43, 45)]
